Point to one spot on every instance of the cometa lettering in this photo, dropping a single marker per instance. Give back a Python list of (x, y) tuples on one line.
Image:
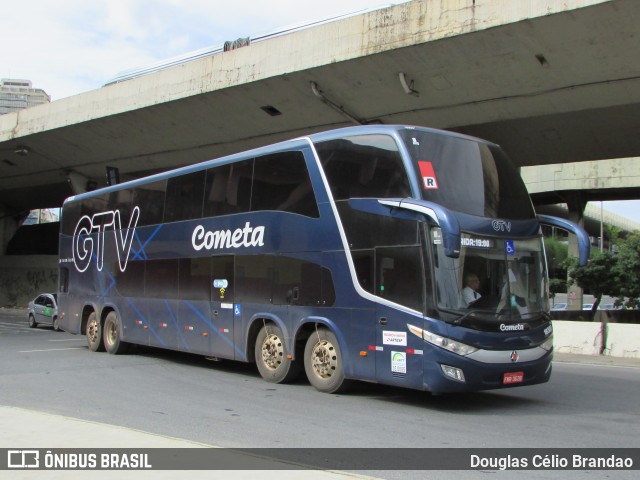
[(240, 237), (511, 328)]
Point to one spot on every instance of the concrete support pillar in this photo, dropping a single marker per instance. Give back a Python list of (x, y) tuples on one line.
[(576, 204), (8, 227)]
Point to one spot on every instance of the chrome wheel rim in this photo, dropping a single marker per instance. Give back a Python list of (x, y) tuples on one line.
[(324, 359), (92, 331), (112, 332), (272, 352)]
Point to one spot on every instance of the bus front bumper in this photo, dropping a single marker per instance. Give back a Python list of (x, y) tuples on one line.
[(447, 372)]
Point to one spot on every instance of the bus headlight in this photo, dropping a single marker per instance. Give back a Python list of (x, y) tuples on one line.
[(453, 346), (548, 344)]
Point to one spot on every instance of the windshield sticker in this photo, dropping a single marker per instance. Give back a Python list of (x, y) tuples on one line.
[(429, 181), (510, 247)]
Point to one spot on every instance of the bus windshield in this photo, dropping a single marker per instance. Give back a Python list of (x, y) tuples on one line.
[(494, 278), (467, 175)]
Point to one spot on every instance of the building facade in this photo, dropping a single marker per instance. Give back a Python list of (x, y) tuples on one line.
[(16, 94)]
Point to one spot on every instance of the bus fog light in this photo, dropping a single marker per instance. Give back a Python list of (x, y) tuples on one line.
[(453, 372)]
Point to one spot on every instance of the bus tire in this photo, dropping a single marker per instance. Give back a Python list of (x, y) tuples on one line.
[(32, 321), (323, 362), (94, 333), (111, 335), (272, 358)]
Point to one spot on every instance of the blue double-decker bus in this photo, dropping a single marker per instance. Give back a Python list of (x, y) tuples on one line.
[(401, 255)]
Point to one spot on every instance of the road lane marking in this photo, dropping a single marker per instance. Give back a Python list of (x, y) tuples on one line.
[(52, 350)]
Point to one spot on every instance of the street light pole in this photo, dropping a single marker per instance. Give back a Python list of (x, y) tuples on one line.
[(601, 227)]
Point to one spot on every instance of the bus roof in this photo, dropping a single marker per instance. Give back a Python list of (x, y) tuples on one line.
[(294, 143)]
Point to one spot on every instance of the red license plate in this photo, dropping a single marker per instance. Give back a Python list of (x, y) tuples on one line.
[(512, 377)]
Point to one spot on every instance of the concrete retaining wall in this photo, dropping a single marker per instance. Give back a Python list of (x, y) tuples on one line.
[(22, 277), (623, 340), (588, 338)]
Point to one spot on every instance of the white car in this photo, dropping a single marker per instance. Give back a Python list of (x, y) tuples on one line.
[(43, 309)]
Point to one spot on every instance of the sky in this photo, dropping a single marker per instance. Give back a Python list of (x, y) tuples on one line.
[(67, 47)]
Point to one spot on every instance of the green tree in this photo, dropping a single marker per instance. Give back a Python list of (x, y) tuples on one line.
[(613, 234), (600, 276), (627, 269)]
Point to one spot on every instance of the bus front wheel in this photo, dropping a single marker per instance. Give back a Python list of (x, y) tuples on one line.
[(323, 362), (94, 333), (272, 358), (111, 335)]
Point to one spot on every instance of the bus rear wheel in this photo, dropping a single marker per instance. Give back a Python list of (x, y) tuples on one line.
[(272, 358), (323, 362), (94, 333), (111, 335)]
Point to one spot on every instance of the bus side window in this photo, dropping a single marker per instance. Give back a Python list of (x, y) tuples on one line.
[(130, 283), (121, 201), (364, 261), (364, 166), (70, 217), (228, 189), (195, 279), (160, 278), (150, 199), (184, 197), (63, 280), (400, 277), (281, 182)]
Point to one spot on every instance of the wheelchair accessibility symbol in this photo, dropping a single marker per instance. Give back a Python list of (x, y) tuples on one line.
[(237, 310), (510, 247)]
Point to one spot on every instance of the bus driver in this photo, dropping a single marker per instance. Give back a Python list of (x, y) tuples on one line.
[(470, 293)]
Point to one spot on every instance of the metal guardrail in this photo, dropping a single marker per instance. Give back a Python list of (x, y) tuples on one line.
[(214, 50)]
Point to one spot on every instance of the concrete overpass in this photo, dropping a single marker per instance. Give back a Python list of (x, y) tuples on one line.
[(578, 183), (551, 81)]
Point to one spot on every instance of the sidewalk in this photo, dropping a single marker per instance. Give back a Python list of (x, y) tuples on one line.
[(596, 360), (29, 429)]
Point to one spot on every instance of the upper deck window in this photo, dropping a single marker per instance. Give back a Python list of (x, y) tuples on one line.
[(364, 166), (467, 176)]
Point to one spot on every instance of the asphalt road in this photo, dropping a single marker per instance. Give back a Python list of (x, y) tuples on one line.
[(228, 404)]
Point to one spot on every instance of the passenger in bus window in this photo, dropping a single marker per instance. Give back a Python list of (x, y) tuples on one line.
[(470, 293)]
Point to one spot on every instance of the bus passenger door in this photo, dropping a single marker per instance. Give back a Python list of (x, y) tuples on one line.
[(222, 306), (399, 353)]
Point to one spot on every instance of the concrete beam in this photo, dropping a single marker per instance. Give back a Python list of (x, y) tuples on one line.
[(622, 173), (378, 31)]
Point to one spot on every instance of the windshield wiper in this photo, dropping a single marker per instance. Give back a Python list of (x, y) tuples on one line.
[(473, 313)]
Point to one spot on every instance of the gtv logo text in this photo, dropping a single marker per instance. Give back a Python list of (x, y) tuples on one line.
[(90, 236)]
